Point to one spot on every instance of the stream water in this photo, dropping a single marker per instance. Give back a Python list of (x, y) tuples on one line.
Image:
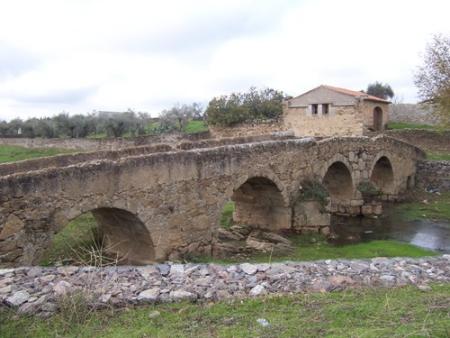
[(429, 234)]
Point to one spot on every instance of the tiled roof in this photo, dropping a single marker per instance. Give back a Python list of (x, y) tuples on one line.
[(355, 94)]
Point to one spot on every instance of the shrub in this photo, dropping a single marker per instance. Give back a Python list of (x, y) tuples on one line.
[(314, 191)]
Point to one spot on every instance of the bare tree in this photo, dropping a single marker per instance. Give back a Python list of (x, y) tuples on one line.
[(433, 76)]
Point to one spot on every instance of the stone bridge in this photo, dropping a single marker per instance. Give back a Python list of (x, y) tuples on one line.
[(155, 202)]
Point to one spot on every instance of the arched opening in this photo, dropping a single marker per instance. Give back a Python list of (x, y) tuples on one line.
[(383, 175), (377, 118), (102, 236), (338, 182), (260, 204)]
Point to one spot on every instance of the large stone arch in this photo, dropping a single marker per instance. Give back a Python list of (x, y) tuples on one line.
[(261, 202), (382, 173), (125, 236)]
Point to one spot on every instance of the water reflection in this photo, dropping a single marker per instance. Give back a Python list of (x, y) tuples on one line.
[(434, 235)]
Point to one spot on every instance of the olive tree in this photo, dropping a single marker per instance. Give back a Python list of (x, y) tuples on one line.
[(378, 89)]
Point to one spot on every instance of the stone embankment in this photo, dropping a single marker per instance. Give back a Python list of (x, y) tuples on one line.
[(434, 176), (40, 290)]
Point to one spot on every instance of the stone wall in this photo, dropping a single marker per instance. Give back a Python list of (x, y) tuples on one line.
[(340, 121), (426, 139), (248, 129), (171, 201), (433, 175), (367, 109), (86, 144), (71, 159), (413, 113)]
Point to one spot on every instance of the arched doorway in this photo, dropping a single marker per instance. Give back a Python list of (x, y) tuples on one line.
[(383, 175), (260, 204), (102, 236), (338, 182), (377, 118)]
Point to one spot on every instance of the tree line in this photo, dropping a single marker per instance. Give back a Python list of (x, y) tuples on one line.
[(110, 124), (432, 79)]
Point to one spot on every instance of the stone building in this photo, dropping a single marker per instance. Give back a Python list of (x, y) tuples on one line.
[(334, 111)]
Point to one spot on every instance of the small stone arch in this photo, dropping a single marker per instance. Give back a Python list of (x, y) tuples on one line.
[(265, 174), (261, 202), (382, 174), (378, 118), (338, 181)]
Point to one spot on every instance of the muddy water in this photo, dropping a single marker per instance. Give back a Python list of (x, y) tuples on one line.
[(429, 234)]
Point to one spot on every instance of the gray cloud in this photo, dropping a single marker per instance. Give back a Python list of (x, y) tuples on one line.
[(14, 61), (63, 96), (210, 30)]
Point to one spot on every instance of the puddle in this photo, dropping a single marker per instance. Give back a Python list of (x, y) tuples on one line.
[(429, 234)]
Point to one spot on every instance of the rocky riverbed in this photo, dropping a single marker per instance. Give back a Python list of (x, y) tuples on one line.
[(40, 289)]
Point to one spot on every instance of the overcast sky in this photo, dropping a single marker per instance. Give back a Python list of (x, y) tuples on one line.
[(84, 55)]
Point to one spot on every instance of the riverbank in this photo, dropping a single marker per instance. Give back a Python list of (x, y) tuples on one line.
[(40, 290)]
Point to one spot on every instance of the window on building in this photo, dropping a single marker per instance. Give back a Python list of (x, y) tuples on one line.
[(314, 109), (325, 108)]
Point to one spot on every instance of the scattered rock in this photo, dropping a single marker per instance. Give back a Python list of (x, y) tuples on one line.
[(6, 289), (249, 269), (124, 285), (341, 280), (18, 298), (34, 272), (164, 269), (424, 287), (176, 270), (149, 295), (263, 322), (62, 288), (258, 290), (178, 295), (5, 271), (225, 235), (47, 278), (67, 270), (154, 314)]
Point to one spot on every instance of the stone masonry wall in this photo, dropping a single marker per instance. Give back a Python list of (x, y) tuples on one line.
[(248, 129), (87, 144), (341, 121), (413, 113), (71, 159), (433, 175)]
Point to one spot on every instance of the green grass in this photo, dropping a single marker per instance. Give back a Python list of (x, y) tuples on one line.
[(407, 125), (398, 312), (438, 207), (438, 156), (17, 153), (192, 127), (97, 136), (72, 242), (226, 219), (195, 126), (309, 248)]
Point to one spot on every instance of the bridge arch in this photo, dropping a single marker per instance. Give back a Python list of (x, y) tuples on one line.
[(121, 233), (382, 174), (338, 181), (261, 202)]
